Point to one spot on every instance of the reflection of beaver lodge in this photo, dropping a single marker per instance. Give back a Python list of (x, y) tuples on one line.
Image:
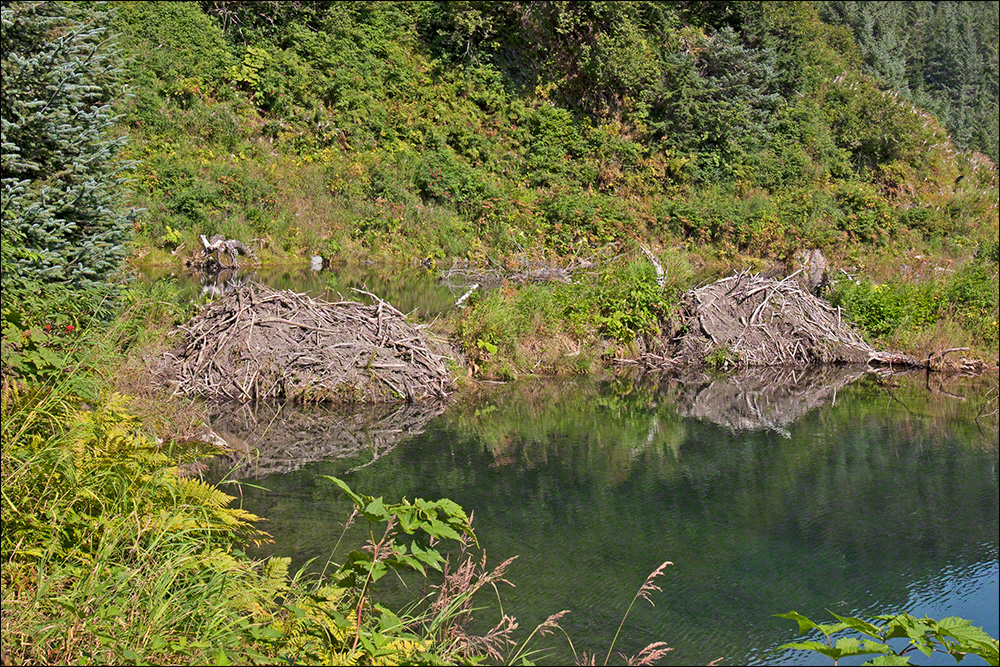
[(259, 343), (749, 320), (764, 398), (279, 439)]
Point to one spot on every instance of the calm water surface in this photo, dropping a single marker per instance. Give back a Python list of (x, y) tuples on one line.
[(769, 492), (875, 503)]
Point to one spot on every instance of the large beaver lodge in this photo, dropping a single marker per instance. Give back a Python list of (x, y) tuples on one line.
[(260, 343), (758, 321)]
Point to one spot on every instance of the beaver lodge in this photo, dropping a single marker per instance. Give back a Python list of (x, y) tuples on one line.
[(260, 343), (747, 320), (757, 321)]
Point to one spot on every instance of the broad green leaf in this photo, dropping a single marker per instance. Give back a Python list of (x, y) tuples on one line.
[(963, 630), (889, 660), (425, 505), (859, 625), (407, 562), (358, 500), (367, 643), (806, 646), (375, 511), (409, 522), (441, 530), (378, 570), (853, 646), (389, 622), (804, 623)]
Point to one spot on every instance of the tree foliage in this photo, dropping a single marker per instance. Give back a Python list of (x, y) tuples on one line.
[(941, 55), (64, 227)]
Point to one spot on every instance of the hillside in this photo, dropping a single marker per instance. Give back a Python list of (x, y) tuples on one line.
[(719, 135)]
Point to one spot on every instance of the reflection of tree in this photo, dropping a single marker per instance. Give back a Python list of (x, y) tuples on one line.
[(280, 439), (578, 421)]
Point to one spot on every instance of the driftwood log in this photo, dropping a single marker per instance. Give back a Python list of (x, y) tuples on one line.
[(259, 343), (219, 253)]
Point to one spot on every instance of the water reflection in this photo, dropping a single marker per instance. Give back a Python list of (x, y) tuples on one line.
[(279, 439), (762, 398), (847, 505), (412, 290)]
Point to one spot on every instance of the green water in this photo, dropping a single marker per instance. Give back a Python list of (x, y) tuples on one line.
[(806, 491)]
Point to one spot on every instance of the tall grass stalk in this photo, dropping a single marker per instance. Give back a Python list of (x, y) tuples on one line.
[(647, 587)]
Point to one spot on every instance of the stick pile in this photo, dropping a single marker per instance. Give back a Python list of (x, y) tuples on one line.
[(259, 343), (763, 322)]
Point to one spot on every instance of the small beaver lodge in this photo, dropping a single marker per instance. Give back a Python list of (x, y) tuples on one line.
[(747, 320), (259, 343), (758, 321)]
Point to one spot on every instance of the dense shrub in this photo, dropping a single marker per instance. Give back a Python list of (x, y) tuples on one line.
[(889, 310)]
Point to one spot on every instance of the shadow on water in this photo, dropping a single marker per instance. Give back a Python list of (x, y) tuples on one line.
[(821, 491)]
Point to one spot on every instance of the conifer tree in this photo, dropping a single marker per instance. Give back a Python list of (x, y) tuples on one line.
[(65, 228), (880, 32)]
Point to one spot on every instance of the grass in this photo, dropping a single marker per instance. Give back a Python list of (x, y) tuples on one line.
[(109, 555), (552, 328)]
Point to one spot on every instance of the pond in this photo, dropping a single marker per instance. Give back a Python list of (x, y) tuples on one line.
[(826, 489)]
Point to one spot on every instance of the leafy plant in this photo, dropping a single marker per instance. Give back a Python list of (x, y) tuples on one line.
[(339, 621), (108, 553), (954, 636)]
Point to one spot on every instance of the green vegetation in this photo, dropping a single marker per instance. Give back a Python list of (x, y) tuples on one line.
[(718, 135), (943, 57), (557, 327), (108, 554), (909, 314), (440, 129), (65, 229), (954, 636), (112, 555), (731, 136)]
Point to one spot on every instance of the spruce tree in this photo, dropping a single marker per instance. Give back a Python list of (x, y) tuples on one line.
[(65, 228)]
